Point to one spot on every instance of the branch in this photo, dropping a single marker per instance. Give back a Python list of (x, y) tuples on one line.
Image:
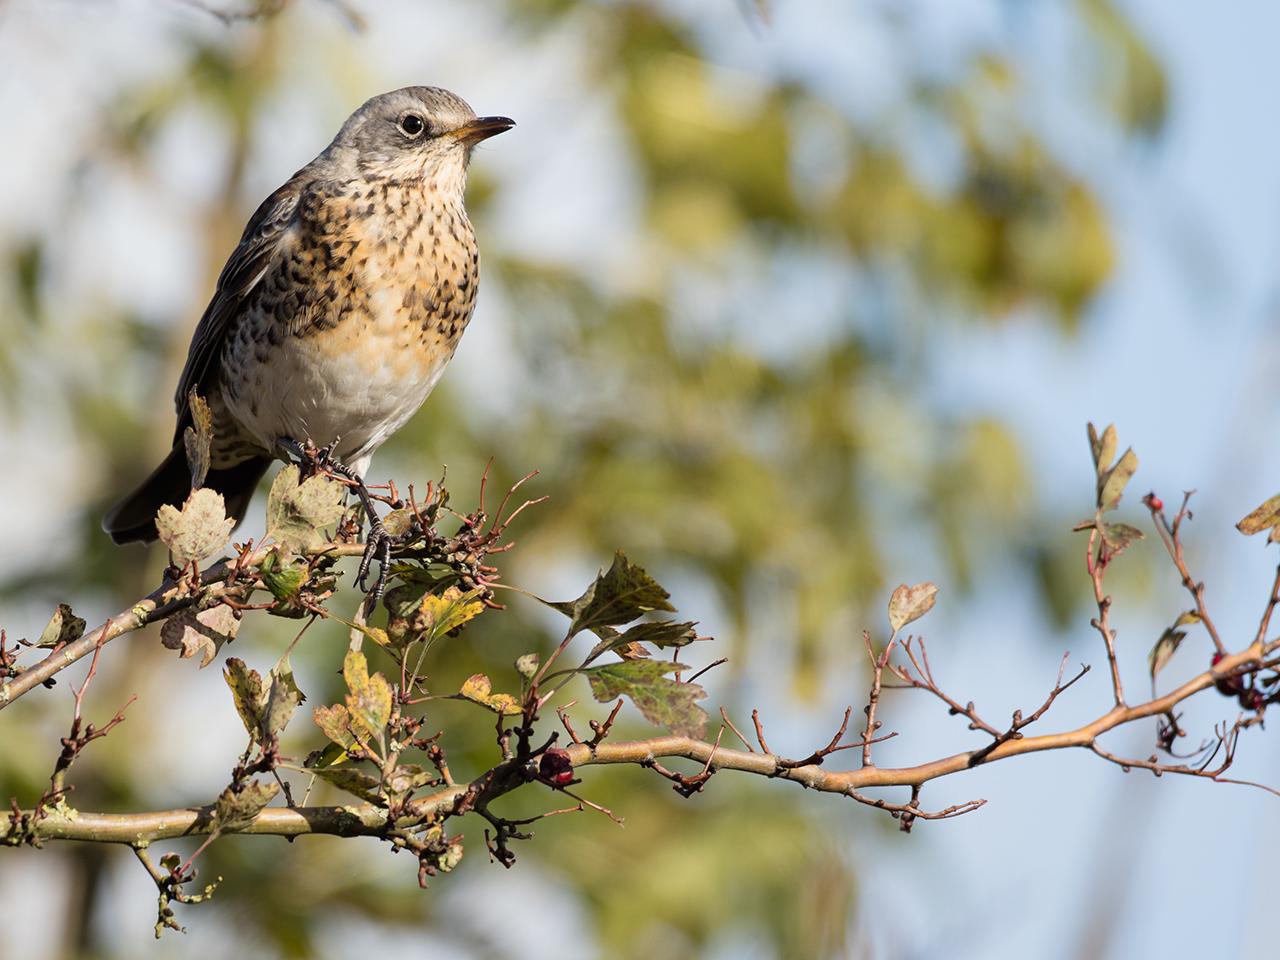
[(369, 820), (167, 599)]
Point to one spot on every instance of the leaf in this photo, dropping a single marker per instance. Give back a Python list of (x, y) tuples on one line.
[(192, 631), (1103, 448), (619, 595), (199, 529), (300, 514), (284, 580), (335, 723), (198, 438), (398, 523), (1263, 518), (1118, 536), (409, 776), (1164, 649), (660, 633), (235, 810), (1111, 485), (478, 689), (353, 781), (283, 699), (663, 701), (910, 603), (369, 701), (415, 613), (249, 693), (63, 627)]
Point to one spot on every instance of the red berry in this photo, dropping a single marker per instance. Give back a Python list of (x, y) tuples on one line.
[(556, 767), (1153, 502)]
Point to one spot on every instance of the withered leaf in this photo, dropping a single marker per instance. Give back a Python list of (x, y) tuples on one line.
[(301, 515), (910, 603), (198, 530), (191, 631)]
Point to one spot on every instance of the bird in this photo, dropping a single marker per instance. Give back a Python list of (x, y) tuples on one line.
[(337, 312)]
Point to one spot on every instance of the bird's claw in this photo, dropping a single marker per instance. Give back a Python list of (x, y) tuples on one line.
[(377, 546)]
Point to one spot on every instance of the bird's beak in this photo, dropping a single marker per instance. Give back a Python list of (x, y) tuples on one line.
[(482, 128)]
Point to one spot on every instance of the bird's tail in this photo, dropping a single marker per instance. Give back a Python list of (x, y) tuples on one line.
[(134, 517)]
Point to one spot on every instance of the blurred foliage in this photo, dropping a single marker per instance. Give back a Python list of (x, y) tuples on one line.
[(700, 410)]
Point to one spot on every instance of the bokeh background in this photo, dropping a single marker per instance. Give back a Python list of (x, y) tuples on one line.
[(792, 300)]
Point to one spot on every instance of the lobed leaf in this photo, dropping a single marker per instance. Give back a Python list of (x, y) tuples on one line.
[(198, 530), (191, 631), (619, 595), (660, 633), (1118, 536), (300, 514), (662, 700)]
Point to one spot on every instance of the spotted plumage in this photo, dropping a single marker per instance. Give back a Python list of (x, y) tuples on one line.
[(336, 314)]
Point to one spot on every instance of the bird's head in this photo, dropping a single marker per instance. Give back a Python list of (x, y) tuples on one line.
[(413, 132)]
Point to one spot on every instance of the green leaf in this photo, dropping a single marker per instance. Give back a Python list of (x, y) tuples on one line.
[(1118, 536), (662, 700), (369, 701), (1164, 650), (1103, 448), (249, 693), (908, 604), (335, 722), (353, 781), (659, 633), (191, 631), (284, 580), (235, 810), (198, 438), (283, 699), (63, 627), (300, 515), (1111, 485), (1264, 517), (199, 529), (619, 595), (478, 689)]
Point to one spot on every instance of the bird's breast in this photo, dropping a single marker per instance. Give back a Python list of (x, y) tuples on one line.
[(361, 319)]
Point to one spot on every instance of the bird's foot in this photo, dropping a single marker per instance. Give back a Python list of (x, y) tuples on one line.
[(379, 542)]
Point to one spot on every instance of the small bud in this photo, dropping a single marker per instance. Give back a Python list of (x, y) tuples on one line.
[(527, 665), (556, 767)]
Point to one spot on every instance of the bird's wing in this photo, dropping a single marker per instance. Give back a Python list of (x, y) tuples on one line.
[(250, 260)]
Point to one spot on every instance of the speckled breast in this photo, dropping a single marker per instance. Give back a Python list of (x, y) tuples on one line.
[(355, 319)]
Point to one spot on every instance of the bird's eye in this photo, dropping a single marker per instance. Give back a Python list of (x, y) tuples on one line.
[(412, 125)]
